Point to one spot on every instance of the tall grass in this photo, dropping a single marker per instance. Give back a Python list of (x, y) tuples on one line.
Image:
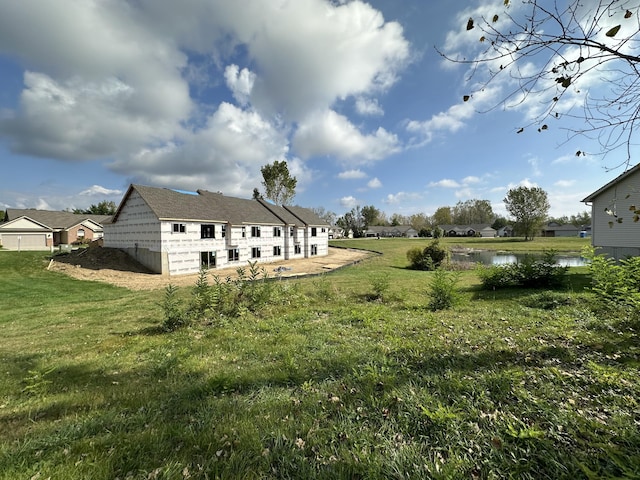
[(506, 384)]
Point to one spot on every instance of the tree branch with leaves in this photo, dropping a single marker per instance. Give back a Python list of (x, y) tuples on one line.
[(558, 54)]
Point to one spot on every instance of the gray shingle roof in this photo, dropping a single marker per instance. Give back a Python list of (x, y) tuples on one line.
[(56, 220), (207, 206)]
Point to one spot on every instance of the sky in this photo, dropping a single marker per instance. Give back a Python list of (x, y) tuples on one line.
[(200, 94)]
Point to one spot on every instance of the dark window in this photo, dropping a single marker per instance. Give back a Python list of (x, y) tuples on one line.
[(277, 251), (324, 230), (314, 231), (297, 249), (224, 231), (179, 228), (291, 231), (208, 259), (255, 231), (207, 231), (277, 231), (234, 255), (244, 232), (314, 249), (255, 252)]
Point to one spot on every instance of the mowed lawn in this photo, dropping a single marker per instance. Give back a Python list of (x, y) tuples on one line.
[(322, 382)]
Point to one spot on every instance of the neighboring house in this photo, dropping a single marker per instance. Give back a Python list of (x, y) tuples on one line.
[(506, 231), (475, 230), (179, 233), (391, 231), (554, 229), (615, 210), (31, 229)]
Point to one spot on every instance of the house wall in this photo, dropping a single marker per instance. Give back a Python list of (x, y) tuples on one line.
[(618, 239)]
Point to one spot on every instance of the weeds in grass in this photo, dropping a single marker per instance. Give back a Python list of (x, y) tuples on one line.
[(530, 272), (380, 283), (443, 289), (174, 316)]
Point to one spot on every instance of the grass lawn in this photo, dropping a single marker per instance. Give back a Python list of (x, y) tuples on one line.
[(321, 383)]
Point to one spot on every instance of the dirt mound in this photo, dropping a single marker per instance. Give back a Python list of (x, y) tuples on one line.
[(100, 258)]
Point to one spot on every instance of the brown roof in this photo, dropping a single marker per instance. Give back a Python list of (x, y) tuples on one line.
[(56, 220), (205, 206)]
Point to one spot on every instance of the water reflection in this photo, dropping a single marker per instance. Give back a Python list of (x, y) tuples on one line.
[(494, 258)]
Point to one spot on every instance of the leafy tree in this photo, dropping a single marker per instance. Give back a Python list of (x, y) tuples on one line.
[(552, 51), (442, 216), (419, 222), (326, 215), (353, 222), (473, 211), (398, 219), (103, 208), (370, 215), (256, 194), (499, 222), (529, 206), (279, 185)]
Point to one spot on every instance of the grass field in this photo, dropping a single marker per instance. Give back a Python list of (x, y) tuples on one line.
[(321, 383)]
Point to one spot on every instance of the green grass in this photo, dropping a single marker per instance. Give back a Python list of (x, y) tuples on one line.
[(329, 384)]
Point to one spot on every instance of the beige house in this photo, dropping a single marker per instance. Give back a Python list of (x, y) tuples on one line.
[(31, 229), (177, 233), (615, 215)]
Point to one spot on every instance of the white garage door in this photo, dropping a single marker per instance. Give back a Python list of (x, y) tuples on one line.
[(22, 241)]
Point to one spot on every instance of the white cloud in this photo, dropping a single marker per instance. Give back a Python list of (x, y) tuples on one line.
[(395, 199), (564, 183), (348, 202), (471, 180), (368, 107), (97, 190), (240, 83), (445, 183), (374, 183), (330, 133), (352, 175)]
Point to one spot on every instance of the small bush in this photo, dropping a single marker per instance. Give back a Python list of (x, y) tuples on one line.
[(380, 284), (429, 258), (529, 273), (442, 289)]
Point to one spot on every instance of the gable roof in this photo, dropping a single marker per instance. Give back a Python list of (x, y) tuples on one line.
[(56, 220), (205, 206), (615, 181)]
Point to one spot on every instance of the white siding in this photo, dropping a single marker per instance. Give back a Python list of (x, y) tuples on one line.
[(136, 226), (621, 238)]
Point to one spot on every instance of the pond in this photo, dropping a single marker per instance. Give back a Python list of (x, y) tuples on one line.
[(488, 257)]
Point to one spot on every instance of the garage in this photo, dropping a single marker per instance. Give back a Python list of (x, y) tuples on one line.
[(24, 241)]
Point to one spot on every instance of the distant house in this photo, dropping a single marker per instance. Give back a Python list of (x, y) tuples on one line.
[(554, 229), (31, 229), (391, 231), (179, 233), (506, 231), (615, 220), (474, 230)]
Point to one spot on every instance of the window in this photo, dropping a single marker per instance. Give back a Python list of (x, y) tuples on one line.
[(233, 255), (324, 230), (291, 231), (314, 232), (277, 231), (277, 251), (208, 259), (244, 232), (179, 228), (297, 249), (207, 231), (314, 249), (255, 231), (255, 252), (224, 231), (81, 233)]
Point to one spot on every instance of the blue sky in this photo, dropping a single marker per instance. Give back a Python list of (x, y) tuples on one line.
[(95, 95)]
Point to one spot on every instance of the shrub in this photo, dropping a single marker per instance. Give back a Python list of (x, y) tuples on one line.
[(442, 289), (617, 285), (429, 258), (529, 273), (380, 284)]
